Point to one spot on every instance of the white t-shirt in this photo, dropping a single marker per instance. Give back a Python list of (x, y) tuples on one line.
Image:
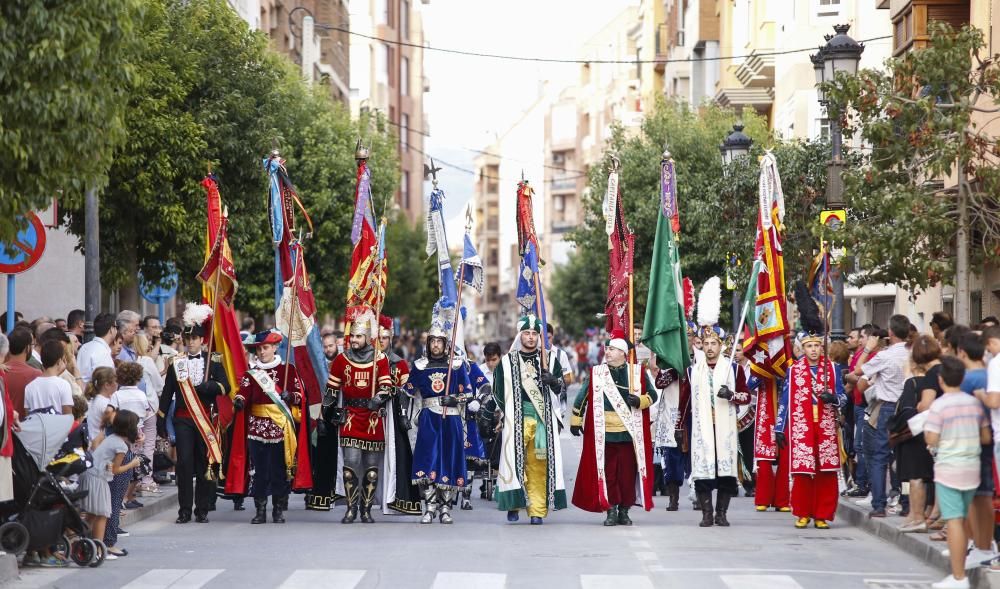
[(93, 354), (993, 388), (48, 391), (131, 399), (95, 415)]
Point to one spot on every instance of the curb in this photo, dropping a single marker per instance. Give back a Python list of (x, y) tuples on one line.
[(8, 568), (152, 505), (918, 545)]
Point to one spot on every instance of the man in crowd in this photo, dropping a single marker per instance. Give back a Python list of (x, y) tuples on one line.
[(19, 374), (531, 475), (806, 427), (880, 379), (856, 400), (364, 382), (97, 352), (192, 384), (330, 347), (612, 413), (74, 323), (127, 323)]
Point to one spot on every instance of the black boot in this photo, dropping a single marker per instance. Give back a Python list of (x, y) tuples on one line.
[(674, 493), (261, 505), (467, 499), (721, 508), (623, 518), (351, 490), (705, 501), (368, 495), (277, 515), (238, 504), (612, 519)]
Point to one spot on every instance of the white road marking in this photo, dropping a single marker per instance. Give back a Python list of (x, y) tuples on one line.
[(174, 579), (466, 580), (646, 556), (330, 578), (638, 544), (615, 582), (760, 582), (790, 571), (36, 578)]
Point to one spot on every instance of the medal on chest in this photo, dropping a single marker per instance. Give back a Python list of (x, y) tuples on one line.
[(362, 378), (437, 382)]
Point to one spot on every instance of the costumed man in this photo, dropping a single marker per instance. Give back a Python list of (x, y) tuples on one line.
[(363, 383), (439, 466), (399, 494), (669, 438), (192, 385), (745, 415), (272, 399), (806, 425), (612, 412), (530, 476), (714, 389), (475, 448)]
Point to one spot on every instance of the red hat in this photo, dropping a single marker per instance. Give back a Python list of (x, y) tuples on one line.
[(618, 340), (385, 325)]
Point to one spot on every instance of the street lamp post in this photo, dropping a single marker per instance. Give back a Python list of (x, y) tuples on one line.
[(840, 54), (735, 146)]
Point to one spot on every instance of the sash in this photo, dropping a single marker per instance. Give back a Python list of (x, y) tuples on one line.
[(631, 418), (530, 387), (198, 413), (713, 422), (278, 413), (806, 432)]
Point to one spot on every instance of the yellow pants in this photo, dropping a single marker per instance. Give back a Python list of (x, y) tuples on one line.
[(535, 474)]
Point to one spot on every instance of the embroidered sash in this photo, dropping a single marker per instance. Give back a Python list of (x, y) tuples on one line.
[(279, 413), (807, 434), (631, 417), (198, 414), (530, 386)]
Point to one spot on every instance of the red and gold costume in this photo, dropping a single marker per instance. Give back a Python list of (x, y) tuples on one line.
[(363, 427)]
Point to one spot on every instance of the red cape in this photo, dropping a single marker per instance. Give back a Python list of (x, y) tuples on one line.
[(588, 492)]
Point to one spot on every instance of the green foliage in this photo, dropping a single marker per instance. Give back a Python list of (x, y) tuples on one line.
[(64, 77), (718, 208), (413, 279), (925, 119)]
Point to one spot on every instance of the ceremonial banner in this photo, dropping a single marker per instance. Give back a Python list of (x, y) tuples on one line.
[(437, 242), (769, 347), (367, 275), (664, 329), (529, 290), (621, 249)]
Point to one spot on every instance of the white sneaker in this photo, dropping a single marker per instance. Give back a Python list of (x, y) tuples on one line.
[(110, 556), (975, 558), (950, 582)]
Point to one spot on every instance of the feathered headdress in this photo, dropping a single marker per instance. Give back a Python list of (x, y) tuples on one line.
[(709, 308), (688, 287), (195, 317), (442, 318), (361, 321), (810, 319)]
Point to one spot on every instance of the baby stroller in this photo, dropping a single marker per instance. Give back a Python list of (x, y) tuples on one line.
[(43, 511), (487, 421)]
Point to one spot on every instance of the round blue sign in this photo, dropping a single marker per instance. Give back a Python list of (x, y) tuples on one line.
[(160, 292)]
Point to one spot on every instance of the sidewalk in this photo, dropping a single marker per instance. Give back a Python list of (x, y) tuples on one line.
[(152, 505), (919, 545)]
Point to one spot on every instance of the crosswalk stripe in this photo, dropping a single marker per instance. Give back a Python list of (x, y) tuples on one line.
[(329, 578), (174, 579), (31, 578), (466, 580), (615, 582), (760, 582)]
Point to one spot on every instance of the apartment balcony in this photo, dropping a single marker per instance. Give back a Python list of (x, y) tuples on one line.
[(910, 23), (563, 183), (736, 98), (757, 70), (559, 227), (663, 43)]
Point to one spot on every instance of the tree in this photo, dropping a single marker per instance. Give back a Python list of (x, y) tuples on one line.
[(718, 208), (413, 278), (65, 74), (929, 190)]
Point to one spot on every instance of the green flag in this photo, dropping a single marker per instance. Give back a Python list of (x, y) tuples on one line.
[(664, 330)]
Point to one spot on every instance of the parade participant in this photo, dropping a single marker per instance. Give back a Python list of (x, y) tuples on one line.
[(531, 475), (439, 456), (364, 384), (399, 492), (475, 448), (714, 388), (745, 417), (272, 398), (612, 413), (807, 425), (192, 384), (669, 438)]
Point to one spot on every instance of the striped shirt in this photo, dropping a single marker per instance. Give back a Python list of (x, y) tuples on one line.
[(886, 373), (957, 418)]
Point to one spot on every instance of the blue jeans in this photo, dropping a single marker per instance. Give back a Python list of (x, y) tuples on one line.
[(879, 455), (861, 469)]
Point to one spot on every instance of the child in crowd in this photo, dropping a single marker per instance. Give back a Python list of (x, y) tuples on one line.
[(115, 450), (102, 385), (130, 397), (956, 427)]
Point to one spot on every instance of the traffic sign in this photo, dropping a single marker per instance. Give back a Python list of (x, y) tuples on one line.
[(834, 219), (161, 292), (26, 249)]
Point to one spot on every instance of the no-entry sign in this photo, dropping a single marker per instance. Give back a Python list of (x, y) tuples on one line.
[(26, 249)]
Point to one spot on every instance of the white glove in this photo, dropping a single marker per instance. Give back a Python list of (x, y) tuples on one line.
[(473, 406)]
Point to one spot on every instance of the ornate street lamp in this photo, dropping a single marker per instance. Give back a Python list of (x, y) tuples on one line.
[(736, 145)]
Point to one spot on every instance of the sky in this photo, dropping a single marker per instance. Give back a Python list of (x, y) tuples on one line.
[(472, 100)]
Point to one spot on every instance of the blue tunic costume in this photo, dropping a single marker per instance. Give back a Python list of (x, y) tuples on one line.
[(439, 455), (475, 450)]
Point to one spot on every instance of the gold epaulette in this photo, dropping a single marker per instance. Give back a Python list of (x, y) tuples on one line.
[(217, 357)]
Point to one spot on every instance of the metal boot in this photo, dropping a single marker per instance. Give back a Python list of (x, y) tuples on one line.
[(612, 519), (722, 506), (623, 518), (351, 490), (467, 499), (279, 507), (446, 499), (368, 495), (705, 501), (674, 493), (261, 505), (430, 503)]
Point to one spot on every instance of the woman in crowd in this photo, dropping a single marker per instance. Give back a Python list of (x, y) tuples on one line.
[(153, 380), (72, 374), (913, 462)]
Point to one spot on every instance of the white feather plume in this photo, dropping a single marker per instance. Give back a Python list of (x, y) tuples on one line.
[(709, 302), (195, 314)]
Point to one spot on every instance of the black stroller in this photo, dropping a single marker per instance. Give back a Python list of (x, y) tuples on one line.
[(43, 514), (487, 422)]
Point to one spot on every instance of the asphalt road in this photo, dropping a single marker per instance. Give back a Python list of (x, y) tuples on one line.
[(482, 551)]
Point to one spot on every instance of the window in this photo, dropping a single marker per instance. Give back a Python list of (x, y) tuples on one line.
[(382, 64), (382, 11), (559, 202), (827, 7), (404, 191), (404, 131), (404, 76), (823, 129), (391, 66), (404, 19)]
